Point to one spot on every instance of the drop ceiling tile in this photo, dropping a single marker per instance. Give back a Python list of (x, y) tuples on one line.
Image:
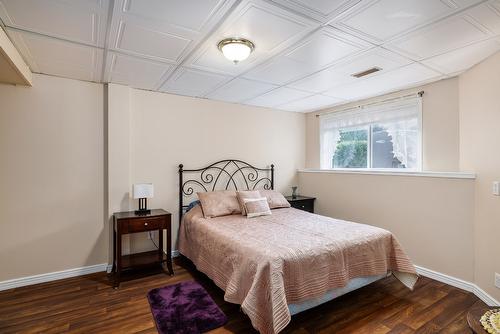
[(381, 20), (135, 72), (455, 32), (487, 16), (322, 80), (193, 82), (270, 27), (315, 52), (277, 97), (311, 103), (163, 30), (463, 58), (341, 73), (322, 10), (78, 21), (399, 78), (405, 75), (239, 90), (326, 46), (189, 14), (377, 57), (57, 57), (150, 43), (463, 3), (279, 71)]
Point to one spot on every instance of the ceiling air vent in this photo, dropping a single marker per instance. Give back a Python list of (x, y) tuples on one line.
[(366, 72)]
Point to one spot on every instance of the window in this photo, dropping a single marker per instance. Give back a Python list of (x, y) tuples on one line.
[(385, 135)]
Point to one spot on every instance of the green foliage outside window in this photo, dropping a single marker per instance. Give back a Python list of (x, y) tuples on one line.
[(352, 149)]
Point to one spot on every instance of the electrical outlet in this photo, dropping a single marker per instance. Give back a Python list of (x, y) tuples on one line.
[(151, 235), (496, 188), (497, 280)]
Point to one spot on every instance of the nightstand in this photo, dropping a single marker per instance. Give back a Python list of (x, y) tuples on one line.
[(302, 203), (129, 222)]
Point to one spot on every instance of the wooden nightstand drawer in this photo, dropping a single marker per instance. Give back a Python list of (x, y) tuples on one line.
[(145, 224), (302, 203)]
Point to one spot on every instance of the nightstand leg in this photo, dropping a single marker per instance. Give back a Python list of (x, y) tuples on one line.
[(116, 283), (170, 269), (169, 252), (113, 268), (118, 253)]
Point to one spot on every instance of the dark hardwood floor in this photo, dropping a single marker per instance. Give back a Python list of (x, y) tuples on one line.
[(88, 304)]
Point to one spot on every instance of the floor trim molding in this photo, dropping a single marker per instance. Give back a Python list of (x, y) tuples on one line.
[(57, 275), (458, 283), (42, 278)]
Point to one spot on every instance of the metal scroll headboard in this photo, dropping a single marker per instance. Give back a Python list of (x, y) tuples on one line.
[(222, 175)]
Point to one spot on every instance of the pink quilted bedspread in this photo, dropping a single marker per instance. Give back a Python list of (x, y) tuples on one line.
[(268, 262)]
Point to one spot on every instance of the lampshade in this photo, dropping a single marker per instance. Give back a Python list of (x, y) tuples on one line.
[(143, 190)]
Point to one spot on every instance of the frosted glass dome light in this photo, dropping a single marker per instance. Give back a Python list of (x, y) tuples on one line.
[(236, 49)]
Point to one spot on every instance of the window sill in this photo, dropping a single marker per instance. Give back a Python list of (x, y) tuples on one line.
[(364, 171)]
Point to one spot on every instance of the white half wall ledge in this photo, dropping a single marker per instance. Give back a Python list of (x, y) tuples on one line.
[(43, 278), (363, 171)]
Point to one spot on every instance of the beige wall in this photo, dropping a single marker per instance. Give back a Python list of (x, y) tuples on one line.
[(440, 143), (431, 217), (71, 151), (52, 177), (479, 151), (168, 130), (448, 225)]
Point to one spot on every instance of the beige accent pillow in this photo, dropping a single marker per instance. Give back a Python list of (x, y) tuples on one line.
[(219, 203), (275, 199), (256, 207), (241, 195)]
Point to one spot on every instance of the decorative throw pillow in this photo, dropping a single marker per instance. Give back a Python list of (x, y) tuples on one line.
[(219, 203), (241, 195), (256, 207), (275, 199)]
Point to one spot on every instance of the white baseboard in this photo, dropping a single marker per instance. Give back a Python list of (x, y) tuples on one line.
[(481, 294), (458, 283), (42, 278)]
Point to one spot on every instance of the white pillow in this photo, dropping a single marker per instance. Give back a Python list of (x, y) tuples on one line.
[(256, 207)]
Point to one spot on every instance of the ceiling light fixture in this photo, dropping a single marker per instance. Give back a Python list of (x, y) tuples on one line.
[(236, 49)]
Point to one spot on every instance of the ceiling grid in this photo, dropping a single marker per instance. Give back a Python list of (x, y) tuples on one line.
[(305, 50)]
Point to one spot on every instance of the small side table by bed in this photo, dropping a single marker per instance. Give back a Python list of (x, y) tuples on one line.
[(302, 203), (129, 222)]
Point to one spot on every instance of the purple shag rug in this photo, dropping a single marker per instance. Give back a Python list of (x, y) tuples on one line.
[(184, 308)]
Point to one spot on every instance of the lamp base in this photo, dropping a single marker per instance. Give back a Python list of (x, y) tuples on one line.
[(142, 212)]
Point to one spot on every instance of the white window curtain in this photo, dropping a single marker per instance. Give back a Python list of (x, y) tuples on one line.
[(399, 117)]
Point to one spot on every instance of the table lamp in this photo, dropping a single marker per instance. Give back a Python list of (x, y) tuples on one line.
[(143, 191)]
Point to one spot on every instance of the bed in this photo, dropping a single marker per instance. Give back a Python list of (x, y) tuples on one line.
[(278, 265)]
